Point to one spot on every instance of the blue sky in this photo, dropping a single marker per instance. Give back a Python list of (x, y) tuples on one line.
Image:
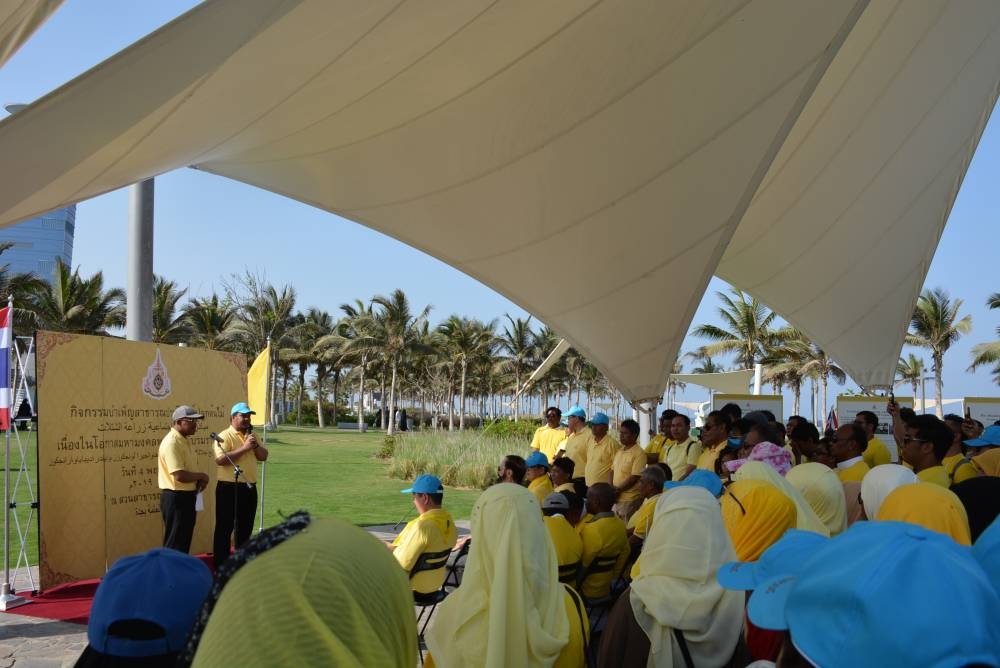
[(208, 227)]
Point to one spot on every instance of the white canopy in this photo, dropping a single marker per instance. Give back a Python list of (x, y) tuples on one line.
[(576, 157), (727, 382), (18, 20)]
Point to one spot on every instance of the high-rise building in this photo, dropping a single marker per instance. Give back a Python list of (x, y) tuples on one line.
[(39, 241)]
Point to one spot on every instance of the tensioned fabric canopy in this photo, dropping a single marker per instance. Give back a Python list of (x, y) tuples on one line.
[(727, 382), (579, 157), (18, 20)]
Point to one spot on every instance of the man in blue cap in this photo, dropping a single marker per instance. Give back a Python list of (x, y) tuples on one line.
[(237, 452), (537, 476), (578, 442), (432, 531), (600, 451)]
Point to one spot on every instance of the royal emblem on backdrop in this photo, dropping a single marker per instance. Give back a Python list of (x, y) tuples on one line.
[(156, 382)]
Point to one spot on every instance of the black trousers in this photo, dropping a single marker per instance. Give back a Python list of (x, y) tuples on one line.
[(246, 507), (177, 511)]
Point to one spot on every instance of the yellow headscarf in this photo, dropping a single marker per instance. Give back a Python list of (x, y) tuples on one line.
[(331, 595), (824, 493), (989, 462), (756, 515), (510, 609), (805, 517), (931, 506), (677, 588)]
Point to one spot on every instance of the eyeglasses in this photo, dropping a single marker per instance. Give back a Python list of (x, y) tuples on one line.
[(837, 439), (188, 420), (552, 415), (908, 439)]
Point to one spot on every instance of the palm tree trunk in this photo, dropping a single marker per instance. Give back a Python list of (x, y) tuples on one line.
[(938, 384), (381, 401), (361, 396), (392, 399), (461, 400), (823, 412), (336, 385), (319, 400), (451, 405), (517, 386), (796, 395), (302, 386)]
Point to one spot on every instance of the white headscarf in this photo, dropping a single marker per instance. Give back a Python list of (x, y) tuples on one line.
[(806, 518), (677, 588), (824, 491), (880, 482), (510, 609)]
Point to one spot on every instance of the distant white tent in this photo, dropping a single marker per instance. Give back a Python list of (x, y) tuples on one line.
[(578, 158), (728, 382), (19, 19)]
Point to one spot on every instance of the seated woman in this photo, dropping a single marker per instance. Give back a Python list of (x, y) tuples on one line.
[(511, 609), (307, 593), (676, 607)]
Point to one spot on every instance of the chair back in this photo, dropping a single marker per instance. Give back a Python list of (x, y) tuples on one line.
[(430, 561)]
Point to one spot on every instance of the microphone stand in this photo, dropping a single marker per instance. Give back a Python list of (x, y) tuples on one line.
[(236, 495)]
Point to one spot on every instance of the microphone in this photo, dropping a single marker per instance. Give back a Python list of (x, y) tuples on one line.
[(215, 437)]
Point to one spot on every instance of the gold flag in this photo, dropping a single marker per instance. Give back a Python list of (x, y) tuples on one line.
[(257, 378)]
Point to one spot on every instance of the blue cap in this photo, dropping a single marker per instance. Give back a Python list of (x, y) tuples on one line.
[(986, 550), (576, 411), (425, 484), (162, 586), (784, 557), (698, 478), (600, 418), (241, 407), (991, 436), (537, 458), (885, 594)]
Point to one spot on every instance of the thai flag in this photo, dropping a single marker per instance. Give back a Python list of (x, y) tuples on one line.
[(831, 419), (5, 338)]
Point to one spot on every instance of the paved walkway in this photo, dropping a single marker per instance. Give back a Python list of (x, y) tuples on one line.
[(30, 642)]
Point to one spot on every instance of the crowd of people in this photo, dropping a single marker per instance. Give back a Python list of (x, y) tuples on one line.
[(753, 543)]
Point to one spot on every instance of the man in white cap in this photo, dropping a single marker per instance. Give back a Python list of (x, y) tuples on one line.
[(235, 499), (179, 480), (600, 451)]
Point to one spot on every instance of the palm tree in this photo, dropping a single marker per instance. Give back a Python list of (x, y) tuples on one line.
[(303, 349), (210, 323), (705, 362), (673, 384), (358, 321), (746, 330), (517, 340), (393, 331), (169, 326), (989, 352), (263, 313), (935, 325), (465, 341), (76, 304), (911, 370), (20, 286)]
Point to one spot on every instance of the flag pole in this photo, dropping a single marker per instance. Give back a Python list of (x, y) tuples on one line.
[(267, 418), (8, 600)]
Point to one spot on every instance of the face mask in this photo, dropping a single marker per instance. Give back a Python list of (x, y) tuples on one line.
[(735, 442)]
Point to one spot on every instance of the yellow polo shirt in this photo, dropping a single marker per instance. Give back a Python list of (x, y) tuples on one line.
[(576, 447), (628, 462), (854, 473), (603, 536), (599, 459), (958, 470), (433, 531), (876, 453), (657, 444), (642, 521), (541, 487), (569, 547), (565, 487), (546, 440), (709, 456), (231, 440), (937, 475), (176, 454), (680, 455)]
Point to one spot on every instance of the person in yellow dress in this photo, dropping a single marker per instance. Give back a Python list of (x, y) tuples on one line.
[(537, 476), (548, 437)]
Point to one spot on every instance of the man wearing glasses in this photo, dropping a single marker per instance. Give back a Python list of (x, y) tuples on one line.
[(179, 481), (548, 437), (847, 447)]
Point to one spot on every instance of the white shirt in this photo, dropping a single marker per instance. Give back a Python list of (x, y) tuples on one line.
[(850, 462)]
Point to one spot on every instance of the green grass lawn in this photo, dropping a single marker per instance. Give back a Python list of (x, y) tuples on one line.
[(327, 472)]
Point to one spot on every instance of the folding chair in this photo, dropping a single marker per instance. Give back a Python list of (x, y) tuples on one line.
[(456, 569), (428, 561), (568, 573), (602, 604)]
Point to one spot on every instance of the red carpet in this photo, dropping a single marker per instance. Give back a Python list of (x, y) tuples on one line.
[(69, 602)]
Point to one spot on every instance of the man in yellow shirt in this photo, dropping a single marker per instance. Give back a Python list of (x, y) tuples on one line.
[(714, 434), (179, 479), (958, 465), (569, 547), (626, 467), (875, 453), (651, 488), (600, 451), (432, 531), (604, 537), (537, 476), (548, 437), (578, 441), (682, 456), (562, 475), (846, 446), (804, 440), (925, 441), (656, 445)]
